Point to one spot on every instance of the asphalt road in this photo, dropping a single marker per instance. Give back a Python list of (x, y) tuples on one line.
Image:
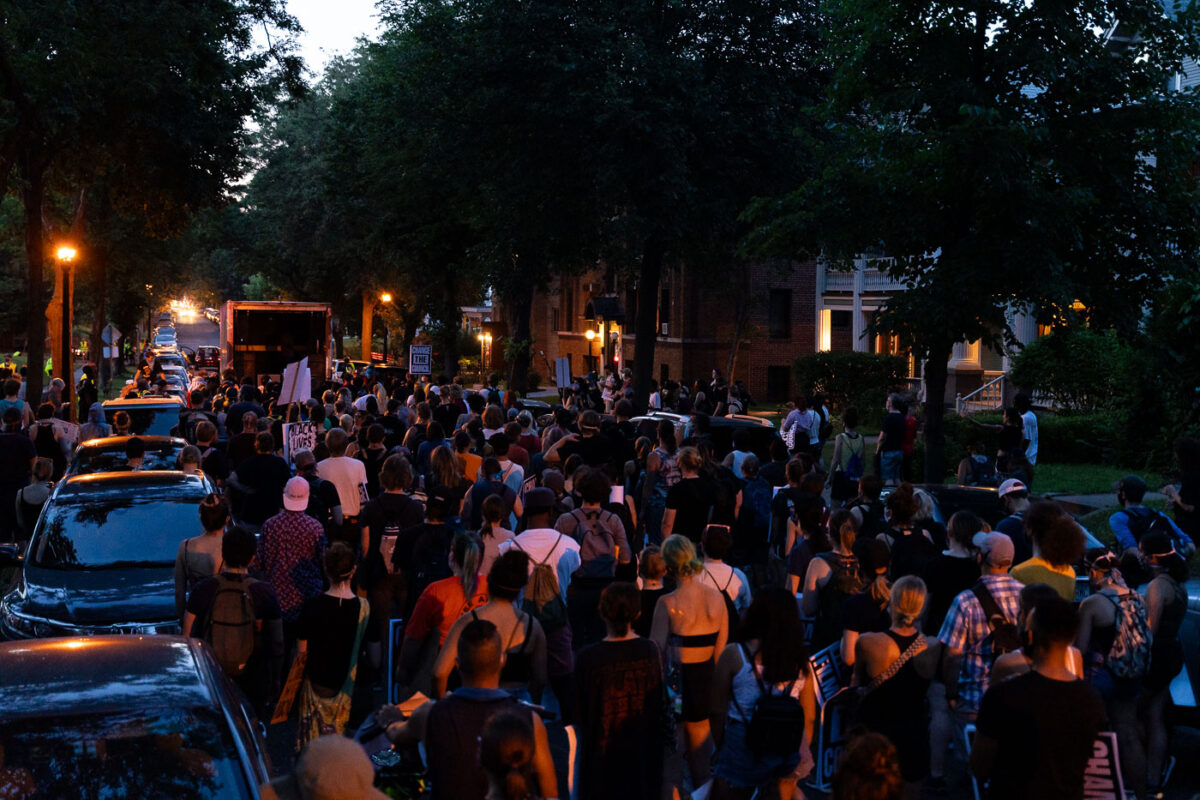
[(198, 333)]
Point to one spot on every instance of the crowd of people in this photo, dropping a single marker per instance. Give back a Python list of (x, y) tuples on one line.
[(665, 598)]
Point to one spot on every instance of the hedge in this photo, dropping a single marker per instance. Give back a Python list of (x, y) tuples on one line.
[(852, 379)]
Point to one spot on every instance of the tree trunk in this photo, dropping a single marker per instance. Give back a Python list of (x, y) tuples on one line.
[(339, 344), (935, 412), (35, 252), (450, 322), (519, 304), (646, 323), (98, 265)]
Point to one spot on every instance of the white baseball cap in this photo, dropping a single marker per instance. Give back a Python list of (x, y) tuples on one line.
[(295, 494)]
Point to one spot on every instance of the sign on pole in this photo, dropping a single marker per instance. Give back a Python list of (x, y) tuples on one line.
[(420, 359), (562, 373), (298, 436), (110, 334), (297, 382)]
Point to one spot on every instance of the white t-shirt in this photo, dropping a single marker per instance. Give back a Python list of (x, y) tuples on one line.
[(538, 544), (350, 477), (724, 578), (1031, 452)]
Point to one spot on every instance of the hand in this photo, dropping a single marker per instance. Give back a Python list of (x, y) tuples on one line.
[(388, 714)]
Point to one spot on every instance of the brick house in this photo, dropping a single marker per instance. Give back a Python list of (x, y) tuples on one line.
[(696, 325)]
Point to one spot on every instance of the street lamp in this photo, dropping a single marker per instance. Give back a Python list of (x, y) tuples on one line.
[(590, 334), (66, 254), (385, 298)]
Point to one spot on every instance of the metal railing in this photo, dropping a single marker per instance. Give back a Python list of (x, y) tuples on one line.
[(989, 397)]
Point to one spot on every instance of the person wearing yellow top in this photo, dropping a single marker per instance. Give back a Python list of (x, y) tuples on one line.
[(1058, 543)]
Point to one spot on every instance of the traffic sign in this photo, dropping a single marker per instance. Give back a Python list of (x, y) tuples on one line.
[(420, 359), (110, 334)]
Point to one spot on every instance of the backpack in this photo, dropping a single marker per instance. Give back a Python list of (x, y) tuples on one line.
[(983, 472), (603, 563), (911, 553), (735, 619), (776, 723), (1003, 636), (232, 625), (854, 464), (1129, 656), (543, 599), (756, 503), (1147, 520), (873, 520)]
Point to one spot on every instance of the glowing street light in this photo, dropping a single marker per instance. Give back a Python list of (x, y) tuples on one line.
[(66, 254), (385, 298)]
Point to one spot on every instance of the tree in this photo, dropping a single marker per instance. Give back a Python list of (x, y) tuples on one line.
[(152, 96), (1009, 156)]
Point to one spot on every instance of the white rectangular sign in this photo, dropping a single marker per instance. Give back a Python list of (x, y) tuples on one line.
[(297, 382), (562, 373)]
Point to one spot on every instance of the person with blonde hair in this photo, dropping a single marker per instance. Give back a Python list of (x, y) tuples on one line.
[(893, 670), (691, 627), (689, 503), (189, 459)]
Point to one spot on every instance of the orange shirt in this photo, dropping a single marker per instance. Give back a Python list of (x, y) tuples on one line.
[(471, 464), (441, 604)]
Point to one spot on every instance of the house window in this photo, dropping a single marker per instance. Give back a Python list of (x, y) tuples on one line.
[(664, 310), (842, 320), (568, 308), (779, 382), (825, 323), (779, 319), (664, 373), (554, 319)]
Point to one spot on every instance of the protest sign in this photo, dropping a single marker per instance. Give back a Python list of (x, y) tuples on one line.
[(562, 373), (298, 436), (69, 430), (288, 696), (297, 383), (420, 359)]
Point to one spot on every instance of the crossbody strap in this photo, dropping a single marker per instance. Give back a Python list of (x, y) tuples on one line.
[(916, 647), (991, 609)]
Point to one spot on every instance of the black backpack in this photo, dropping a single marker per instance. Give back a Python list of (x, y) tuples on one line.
[(735, 619), (1144, 520), (605, 564), (232, 626), (983, 472), (912, 551), (776, 723), (1003, 637)]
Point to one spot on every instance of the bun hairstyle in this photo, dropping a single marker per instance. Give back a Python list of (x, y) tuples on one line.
[(903, 504), (680, 555), (506, 754), (214, 513), (1161, 554), (908, 600), (651, 565)]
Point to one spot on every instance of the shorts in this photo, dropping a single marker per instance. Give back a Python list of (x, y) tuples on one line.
[(889, 465), (739, 767), (1112, 688), (695, 690)]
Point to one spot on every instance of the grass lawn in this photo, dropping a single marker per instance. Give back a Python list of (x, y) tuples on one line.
[(1085, 478)]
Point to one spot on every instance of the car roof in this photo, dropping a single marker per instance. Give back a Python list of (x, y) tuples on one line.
[(97, 674), (114, 442), (142, 402), (98, 486)]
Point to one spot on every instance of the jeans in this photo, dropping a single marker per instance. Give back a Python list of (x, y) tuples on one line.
[(889, 465)]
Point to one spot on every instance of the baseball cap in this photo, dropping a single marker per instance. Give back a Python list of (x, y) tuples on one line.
[(1131, 482), (539, 501), (996, 547), (1011, 485), (295, 494), (336, 768)]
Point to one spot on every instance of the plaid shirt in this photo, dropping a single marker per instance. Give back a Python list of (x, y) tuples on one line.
[(966, 629)]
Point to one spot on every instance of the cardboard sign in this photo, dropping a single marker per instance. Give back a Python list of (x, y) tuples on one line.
[(529, 484), (298, 436), (69, 430), (420, 359), (833, 724), (831, 671), (297, 382), (395, 639), (287, 698)]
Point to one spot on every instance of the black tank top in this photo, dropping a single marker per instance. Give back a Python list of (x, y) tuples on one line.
[(452, 742)]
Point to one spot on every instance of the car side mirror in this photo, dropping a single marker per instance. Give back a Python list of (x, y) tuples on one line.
[(10, 556)]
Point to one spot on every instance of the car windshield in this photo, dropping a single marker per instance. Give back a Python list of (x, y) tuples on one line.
[(175, 752), (149, 421), (110, 459), (114, 530)]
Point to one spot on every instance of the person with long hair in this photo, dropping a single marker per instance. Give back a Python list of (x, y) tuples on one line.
[(329, 637), (1058, 542), (199, 557), (439, 605), (869, 769), (492, 532), (691, 627), (446, 479), (524, 640), (867, 611), (662, 473), (832, 578), (1166, 606), (894, 669), (771, 658)]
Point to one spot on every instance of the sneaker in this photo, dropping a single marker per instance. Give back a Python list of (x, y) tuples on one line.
[(936, 786)]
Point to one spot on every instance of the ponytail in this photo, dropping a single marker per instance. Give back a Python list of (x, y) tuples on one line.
[(880, 589), (466, 555), (492, 511)]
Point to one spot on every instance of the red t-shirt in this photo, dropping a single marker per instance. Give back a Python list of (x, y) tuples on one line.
[(910, 434), (441, 604)]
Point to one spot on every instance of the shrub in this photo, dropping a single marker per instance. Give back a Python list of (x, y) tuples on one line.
[(1078, 368), (852, 379), (533, 380)]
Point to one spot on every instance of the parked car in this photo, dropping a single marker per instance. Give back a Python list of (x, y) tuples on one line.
[(156, 416), (124, 716), (720, 430), (108, 454), (208, 357), (102, 557), (164, 360)]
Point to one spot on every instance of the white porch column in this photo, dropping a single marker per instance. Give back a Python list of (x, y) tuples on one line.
[(965, 355), (858, 324)]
